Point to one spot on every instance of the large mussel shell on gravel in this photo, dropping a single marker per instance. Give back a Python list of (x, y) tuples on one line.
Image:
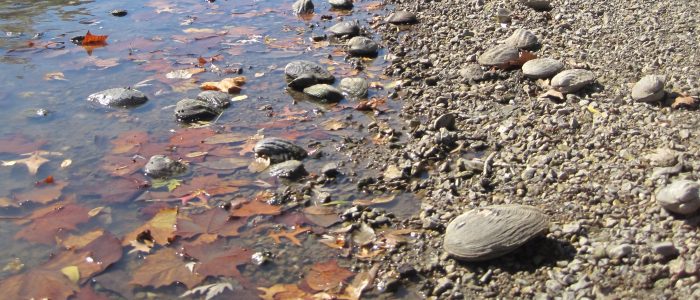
[(569, 81), (301, 67), (499, 55), (402, 18), (489, 232), (278, 150), (346, 29), (681, 197), (522, 39), (542, 67), (649, 89)]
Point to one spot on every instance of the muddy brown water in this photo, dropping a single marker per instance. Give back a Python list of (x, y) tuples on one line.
[(46, 80)]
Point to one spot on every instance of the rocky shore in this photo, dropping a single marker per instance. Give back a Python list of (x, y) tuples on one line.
[(593, 159)]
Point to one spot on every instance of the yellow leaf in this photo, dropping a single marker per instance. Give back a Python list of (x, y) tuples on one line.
[(79, 241), (95, 211), (593, 110), (72, 272)]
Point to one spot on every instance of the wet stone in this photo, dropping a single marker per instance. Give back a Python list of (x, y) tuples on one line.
[(324, 92), (619, 251), (522, 39), (278, 150), (118, 97), (542, 68), (499, 55), (681, 197), (217, 99), (161, 166), (330, 170), (300, 68), (570, 81), (354, 87), (119, 12), (291, 169), (191, 110), (341, 4), (362, 46), (346, 29), (303, 7), (402, 18), (649, 89)]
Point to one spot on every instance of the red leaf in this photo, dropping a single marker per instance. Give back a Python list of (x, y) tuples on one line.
[(19, 144), (217, 260), (326, 276), (212, 222), (45, 224), (253, 208), (94, 40), (163, 268)]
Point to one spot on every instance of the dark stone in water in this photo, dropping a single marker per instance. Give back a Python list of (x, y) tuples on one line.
[(118, 97), (402, 18), (278, 150), (362, 46), (302, 82), (300, 68), (191, 110), (161, 166), (324, 92), (216, 98), (354, 87), (118, 12), (341, 4), (291, 169)]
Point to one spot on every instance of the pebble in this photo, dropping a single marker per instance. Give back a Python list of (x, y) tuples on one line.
[(354, 87), (324, 92), (303, 7), (191, 110), (649, 89), (402, 18), (522, 39), (341, 4), (345, 29), (619, 251), (570, 81), (161, 166), (446, 121), (538, 5), (118, 97), (665, 249), (362, 46), (542, 68), (498, 55), (443, 284), (681, 197)]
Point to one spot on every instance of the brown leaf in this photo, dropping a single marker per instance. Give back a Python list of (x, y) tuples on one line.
[(80, 241), (46, 223), (212, 222), (253, 208), (161, 227), (325, 216), (215, 259), (290, 235), (90, 259), (54, 285), (87, 293), (227, 85), (189, 137), (54, 76), (229, 163), (164, 268), (684, 101), (43, 195), (33, 162), (19, 144), (225, 138), (129, 142), (374, 201), (94, 40), (334, 125), (284, 292), (326, 276), (552, 95)]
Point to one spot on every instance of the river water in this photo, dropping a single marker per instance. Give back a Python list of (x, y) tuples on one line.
[(94, 156)]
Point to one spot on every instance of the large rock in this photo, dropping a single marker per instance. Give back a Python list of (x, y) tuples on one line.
[(402, 18), (161, 166), (118, 97), (324, 92), (489, 232), (303, 7), (570, 81), (542, 68), (498, 55), (345, 29), (191, 110), (217, 99), (649, 89), (302, 74), (278, 150), (362, 46), (341, 4), (354, 87), (681, 197)]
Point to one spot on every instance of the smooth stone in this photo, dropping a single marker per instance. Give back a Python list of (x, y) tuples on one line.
[(542, 68), (522, 39), (291, 169), (498, 55), (299, 68), (362, 46), (346, 29), (324, 92), (619, 251), (218, 99), (161, 166), (303, 7), (492, 231), (118, 97), (191, 110), (355, 87), (278, 150), (681, 197), (662, 157), (649, 89), (330, 170), (402, 18), (472, 72), (538, 5), (569, 81), (341, 4), (665, 249)]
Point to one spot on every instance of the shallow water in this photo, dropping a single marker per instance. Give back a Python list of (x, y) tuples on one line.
[(156, 37)]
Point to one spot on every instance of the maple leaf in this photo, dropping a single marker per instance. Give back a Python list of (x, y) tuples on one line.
[(326, 276), (79, 241), (54, 285), (212, 222), (45, 224), (164, 268), (172, 183), (90, 259), (283, 291), (129, 142), (290, 235), (253, 208), (216, 260), (190, 137), (161, 228), (33, 162), (122, 166), (87, 293), (227, 85)]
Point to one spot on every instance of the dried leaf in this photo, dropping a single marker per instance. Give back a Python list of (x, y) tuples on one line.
[(94, 40), (376, 200), (326, 276), (227, 85), (239, 98), (333, 241), (196, 154), (172, 183), (363, 235), (284, 292), (322, 215), (43, 195), (33, 162), (129, 142), (212, 222), (290, 235), (161, 227), (217, 260), (80, 241), (66, 163), (225, 138), (259, 164), (209, 291), (164, 268), (684, 101), (54, 76), (253, 208), (72, 272), (553, 95), (333, 125), (45, 224), (230, 163)]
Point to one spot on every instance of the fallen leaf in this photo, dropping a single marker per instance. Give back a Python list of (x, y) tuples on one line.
[(72, 272), (54, 76), (184, 73), (230, 163), (326, 276), (258, 75), (363, 235), (164, 268), (239, 98), (371, 104), (259, 164), (684, 101), (196, 154), (209, 291), (66, 163), (284, 292), (17, 144), (374, 201), (43, 195), (94, 40), (361, 282), (552, 95), (80, 241), (333, 241), (129, 142), (199, 30), (217, 260), (322, 215), (333, 125), (225, 138), (290, 235), (253, 208), (227, 85), (46, 223), (212, 222), (172, 183), (33, 162), (54, 285), (161, 227), (191, 137)]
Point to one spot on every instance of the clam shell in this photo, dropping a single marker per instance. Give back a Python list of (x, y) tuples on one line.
[(278, 150), (402, 17), (569, 81), (354, 87), (489, 232), (362, 46), (522, 39), (649, 89), (542, 67), (301, 67), (681, 197), (346, 29), (303, 7), (498, 55), (290, 169)]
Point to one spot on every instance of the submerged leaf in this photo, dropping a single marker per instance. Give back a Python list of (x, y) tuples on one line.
[(161, 228), (215, 259), (45, 224), (210, 290), (164, 268), (326, 276)]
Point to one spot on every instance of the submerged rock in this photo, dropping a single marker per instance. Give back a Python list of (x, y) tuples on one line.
[(341, 4), (216, 98), (499, 55), (346, 29), (161, 166), (362, 46), (354, 87), (291, 169), (402, 18), (118, 97), (649, 89), (570, 81), (489, 232), (303, 7), (681, 197), (324, 92), (191, 110), (278, 150), (542, 68), (302, 68)]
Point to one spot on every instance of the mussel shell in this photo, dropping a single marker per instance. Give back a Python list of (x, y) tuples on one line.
[(522, 39), (649, 89), (569, 81), (278, 150), (542, 67), (301, 67), (499, 55), (489, 232)]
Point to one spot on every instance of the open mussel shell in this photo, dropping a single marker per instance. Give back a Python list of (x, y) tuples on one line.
[(489, 232)]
